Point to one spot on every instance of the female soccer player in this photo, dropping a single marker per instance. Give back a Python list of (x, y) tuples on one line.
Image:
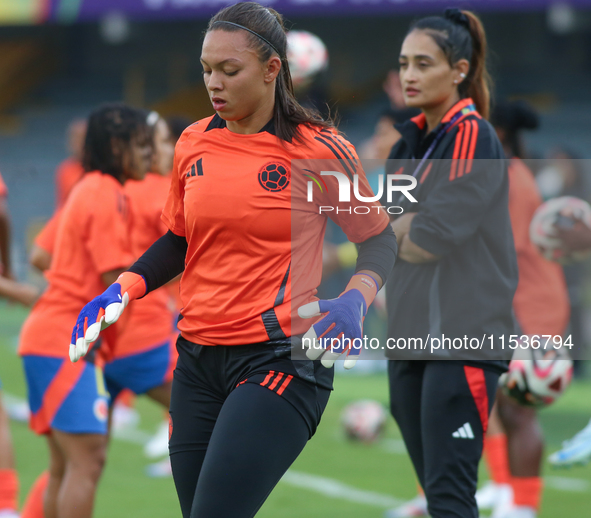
[(242, 409), (514, 444), (143, 354), (68, 401), (456, 272)]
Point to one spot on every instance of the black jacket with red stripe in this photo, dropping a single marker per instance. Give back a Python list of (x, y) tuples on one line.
[(463, 218)]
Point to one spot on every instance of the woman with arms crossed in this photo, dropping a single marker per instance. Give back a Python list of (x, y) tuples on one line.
[(456, 272)]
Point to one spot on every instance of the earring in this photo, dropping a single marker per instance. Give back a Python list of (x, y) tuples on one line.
[(456, 82), (462, 75)]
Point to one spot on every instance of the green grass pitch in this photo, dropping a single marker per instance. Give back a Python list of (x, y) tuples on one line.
[(332, 477)]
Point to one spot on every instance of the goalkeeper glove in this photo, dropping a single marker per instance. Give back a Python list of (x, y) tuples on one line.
[(103, 311), (335, 334)]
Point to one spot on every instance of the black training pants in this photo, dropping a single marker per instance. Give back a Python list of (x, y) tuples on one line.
[(234, 431), (442, 409)]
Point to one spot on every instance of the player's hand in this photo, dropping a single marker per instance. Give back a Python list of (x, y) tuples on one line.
[(103, 311), (340, 332)]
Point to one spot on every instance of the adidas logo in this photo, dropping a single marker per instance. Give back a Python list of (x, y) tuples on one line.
[(464, 432)]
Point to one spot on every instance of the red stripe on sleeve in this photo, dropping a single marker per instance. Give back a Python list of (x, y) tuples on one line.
[(266, 380), (456, 155), (275, 381), (472, 146), (465, 146), (284, 384), (477, 384)]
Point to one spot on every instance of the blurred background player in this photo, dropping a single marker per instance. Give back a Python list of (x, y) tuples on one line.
[(456, 269), (564, 174), (70, 171), (514, 443), (576, 450), (69, 402), (145, 355)]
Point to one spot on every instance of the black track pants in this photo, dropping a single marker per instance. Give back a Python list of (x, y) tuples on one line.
[(232, 441), (442, 409)]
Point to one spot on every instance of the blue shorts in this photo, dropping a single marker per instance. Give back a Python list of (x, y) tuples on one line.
[(139, 372), (65, 396)]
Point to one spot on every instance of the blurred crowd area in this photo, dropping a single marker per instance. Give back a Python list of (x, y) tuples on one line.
[(52, 74)]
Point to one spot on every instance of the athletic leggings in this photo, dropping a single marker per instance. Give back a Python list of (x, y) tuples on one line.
[(442, 409), (232, 441)]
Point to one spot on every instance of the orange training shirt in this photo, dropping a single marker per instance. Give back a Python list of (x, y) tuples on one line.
[(46, 238), (238, 286), (541, 302), (92, 239), (150, 319)]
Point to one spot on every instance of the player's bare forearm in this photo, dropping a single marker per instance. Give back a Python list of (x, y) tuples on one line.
[(25, 294), (413, 253)]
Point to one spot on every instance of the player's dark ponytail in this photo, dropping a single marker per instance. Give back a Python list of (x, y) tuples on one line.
[(108, 123), (460, 35), (266, 34)]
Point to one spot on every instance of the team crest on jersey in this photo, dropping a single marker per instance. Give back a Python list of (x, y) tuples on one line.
[(101, 409), (274, 177)]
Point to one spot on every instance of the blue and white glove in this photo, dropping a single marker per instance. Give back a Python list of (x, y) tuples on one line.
[(340, 332), (103, 311)]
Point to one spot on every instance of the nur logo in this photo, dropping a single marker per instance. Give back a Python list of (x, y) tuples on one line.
[(344, 185)]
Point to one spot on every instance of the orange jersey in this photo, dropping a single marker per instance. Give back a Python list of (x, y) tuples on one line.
[(92, 239), (238, 286), (46, 238), (67, 175), (541, 302), (150, 319)]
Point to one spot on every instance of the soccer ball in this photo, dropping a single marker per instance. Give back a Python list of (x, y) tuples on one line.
[(274, 177), (558, 211), (306, 55), (537, 378), (364, 420)]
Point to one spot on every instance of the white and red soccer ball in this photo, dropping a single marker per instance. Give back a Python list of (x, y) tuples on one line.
[(561, 211), (307, 56), (364, 420), (536, 377)]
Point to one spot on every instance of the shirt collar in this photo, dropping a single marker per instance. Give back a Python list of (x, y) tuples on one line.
[(413, 130)]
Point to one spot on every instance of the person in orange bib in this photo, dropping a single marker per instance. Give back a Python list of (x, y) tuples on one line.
[(69, 402), (245, 229)]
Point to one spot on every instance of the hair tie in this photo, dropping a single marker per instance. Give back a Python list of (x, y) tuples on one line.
[(252, 32), (456, 16)]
